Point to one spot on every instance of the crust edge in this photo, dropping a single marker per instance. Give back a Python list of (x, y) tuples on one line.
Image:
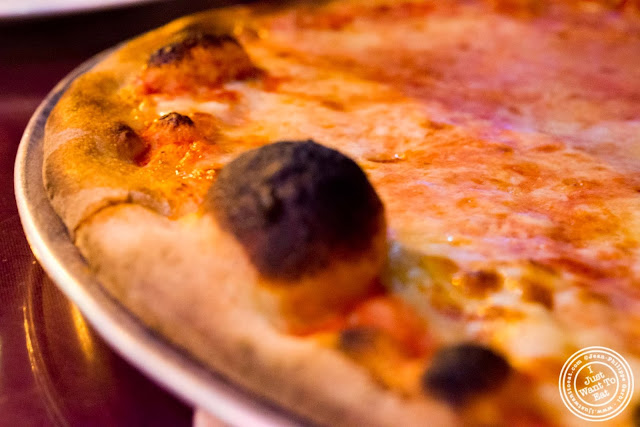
[(302, 376)]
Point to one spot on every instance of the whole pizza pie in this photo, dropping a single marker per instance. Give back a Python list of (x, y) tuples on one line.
[(371, 212)]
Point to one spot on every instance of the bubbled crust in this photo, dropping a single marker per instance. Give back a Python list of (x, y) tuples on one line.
[(311, 224), (177, 51), (296, 205), (85, 166), (458, 373), (197, 59)]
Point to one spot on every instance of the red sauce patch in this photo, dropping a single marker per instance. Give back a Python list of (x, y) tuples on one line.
[(175, 142), (396, 318)]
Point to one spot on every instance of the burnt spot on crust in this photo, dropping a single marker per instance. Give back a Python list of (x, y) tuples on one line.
[(635, 421), (462, 371), (129, 145), (175, 52), (197, 61), (170, 136), (175, 120), (296, 205)]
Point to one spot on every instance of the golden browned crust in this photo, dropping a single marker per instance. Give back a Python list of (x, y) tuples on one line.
[(228, 332), (83, 167)]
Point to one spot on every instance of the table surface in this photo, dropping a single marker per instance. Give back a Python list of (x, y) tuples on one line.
[(54, 369)]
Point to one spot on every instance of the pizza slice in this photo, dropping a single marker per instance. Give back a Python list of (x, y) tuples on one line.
[(379, 213)]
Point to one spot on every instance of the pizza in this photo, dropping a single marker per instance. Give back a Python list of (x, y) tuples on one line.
[(369, 212)]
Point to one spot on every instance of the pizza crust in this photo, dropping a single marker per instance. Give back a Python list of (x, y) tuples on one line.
[(83, 171), (229, 332)]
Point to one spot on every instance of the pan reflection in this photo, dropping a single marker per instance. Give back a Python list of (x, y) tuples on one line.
[(82, 333), (80, 380)]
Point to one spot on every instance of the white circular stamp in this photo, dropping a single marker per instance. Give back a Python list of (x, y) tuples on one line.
[(596, 384)]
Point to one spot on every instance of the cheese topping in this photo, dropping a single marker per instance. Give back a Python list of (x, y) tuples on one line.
[(504, 150)]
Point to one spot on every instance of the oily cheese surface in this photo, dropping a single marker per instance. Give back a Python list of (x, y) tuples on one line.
[(503, 138)]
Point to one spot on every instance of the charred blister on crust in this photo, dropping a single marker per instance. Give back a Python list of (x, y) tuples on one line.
[(174, 131), (463, 371), (196, 62), (175, 120), (175, 52), (635, 421), (296, 205), (129, 145)]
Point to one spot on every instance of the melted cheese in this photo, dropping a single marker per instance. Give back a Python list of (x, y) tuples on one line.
[(497, 144), (186, 105)]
